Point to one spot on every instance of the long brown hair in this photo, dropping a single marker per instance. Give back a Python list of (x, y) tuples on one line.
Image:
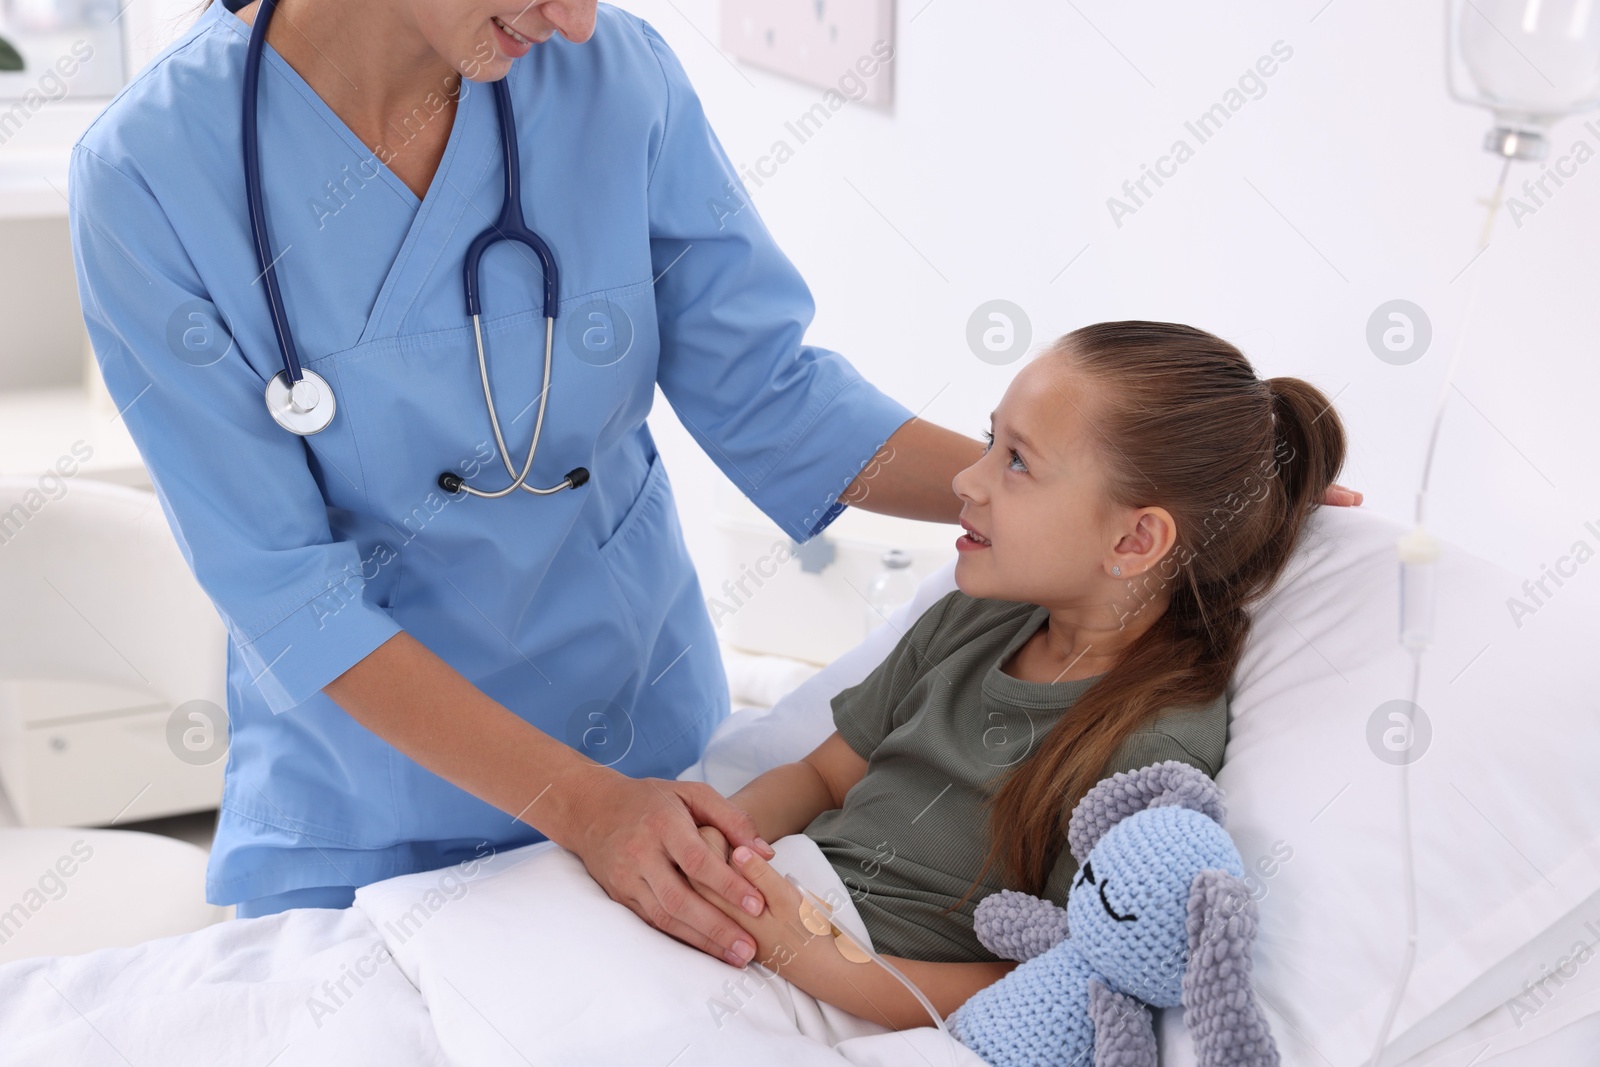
[(1182, 422)]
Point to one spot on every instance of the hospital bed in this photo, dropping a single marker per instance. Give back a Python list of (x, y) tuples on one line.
[(471, 967)]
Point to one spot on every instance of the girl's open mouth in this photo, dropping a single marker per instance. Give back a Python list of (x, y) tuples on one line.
[(971, 541)]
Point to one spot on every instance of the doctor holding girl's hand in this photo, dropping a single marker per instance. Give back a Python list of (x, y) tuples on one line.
[(410, 667)]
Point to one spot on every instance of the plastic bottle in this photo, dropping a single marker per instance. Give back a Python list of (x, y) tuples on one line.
[(892, 586)]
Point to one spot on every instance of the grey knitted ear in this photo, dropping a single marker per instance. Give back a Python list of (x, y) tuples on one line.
[(1219, 1004), (1015, 926), (1168, 783), (1123, 1034)]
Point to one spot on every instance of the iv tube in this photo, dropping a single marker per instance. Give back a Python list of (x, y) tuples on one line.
[(1419, 553), (1492, 211), (866, 950)]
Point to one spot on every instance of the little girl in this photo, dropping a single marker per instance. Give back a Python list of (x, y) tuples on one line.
[(1141, 488)]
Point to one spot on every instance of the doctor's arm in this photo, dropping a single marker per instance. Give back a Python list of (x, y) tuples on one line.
[(910, 475), (633, 835)]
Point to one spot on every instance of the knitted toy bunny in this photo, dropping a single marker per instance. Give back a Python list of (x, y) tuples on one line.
[(1158, 912)]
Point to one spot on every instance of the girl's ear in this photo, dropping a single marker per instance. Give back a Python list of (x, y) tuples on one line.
[(1219, 1003), (1170, 783), (1015, 926)]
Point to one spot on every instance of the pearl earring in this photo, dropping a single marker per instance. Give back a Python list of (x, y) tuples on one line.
[(1116, 572)]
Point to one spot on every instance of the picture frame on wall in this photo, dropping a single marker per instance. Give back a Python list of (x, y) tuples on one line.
[(60, 49)]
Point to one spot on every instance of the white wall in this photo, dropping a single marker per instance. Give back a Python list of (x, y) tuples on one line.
[(1352, 181), (38, 350), (43, 342)]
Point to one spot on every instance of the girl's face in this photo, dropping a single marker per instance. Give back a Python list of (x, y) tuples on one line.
[(1037, 497), (467, 33)]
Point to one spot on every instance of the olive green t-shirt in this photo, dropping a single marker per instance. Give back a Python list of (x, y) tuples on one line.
[(939, 723)]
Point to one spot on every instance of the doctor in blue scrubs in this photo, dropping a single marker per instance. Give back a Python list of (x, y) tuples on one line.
[(418, 676)]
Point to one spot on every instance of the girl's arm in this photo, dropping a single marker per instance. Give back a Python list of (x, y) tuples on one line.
[(867, 990), (812, 961), (784, 800)]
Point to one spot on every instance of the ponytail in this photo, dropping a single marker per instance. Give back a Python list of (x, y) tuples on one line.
[(1314, 455)]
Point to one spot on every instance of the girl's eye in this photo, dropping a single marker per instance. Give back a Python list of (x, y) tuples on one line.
[(1016, 463)]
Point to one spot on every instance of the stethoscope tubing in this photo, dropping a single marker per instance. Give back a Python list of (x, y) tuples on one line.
[(255, 201), (283, 397), (519, 477)]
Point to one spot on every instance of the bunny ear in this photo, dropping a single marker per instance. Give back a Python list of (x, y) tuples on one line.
[(1015, 926), (1219, 1005), (1168, 783)]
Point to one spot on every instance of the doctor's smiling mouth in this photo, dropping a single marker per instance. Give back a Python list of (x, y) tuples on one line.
[(491, 35), (515, 33)]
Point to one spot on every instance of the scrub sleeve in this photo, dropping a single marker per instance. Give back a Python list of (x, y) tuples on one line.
[(733, 313), (235, 487)]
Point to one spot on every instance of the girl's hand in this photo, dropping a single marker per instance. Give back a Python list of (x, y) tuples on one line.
[(784, 943), (800, 946), (718, 842)]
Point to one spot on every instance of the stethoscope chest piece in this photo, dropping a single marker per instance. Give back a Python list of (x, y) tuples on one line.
[(305, 408)]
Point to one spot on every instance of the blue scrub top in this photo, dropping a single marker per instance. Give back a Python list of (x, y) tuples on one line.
[(581, 611)]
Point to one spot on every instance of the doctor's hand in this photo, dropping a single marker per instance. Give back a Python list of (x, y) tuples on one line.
[(643, 841), (1338, 496)]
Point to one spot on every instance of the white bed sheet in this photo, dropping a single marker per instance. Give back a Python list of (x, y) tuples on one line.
[(254, 991), (524, 960)]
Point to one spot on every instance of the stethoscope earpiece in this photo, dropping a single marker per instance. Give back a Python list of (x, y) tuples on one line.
[(453, 483)]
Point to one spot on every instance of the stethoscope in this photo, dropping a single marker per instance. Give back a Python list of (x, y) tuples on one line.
[(301, 401)]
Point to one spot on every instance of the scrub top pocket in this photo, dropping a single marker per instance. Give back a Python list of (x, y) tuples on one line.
[(647, 582), (681, 693)]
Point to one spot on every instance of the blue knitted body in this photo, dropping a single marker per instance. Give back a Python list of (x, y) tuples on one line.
[(1128, 913), (1037, 1014)]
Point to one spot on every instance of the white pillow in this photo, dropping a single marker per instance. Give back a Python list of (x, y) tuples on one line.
[(1506, 821), (755, 740)]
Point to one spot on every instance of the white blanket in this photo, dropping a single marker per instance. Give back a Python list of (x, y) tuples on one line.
[(250, 991), (522, 960), (531, 962)]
